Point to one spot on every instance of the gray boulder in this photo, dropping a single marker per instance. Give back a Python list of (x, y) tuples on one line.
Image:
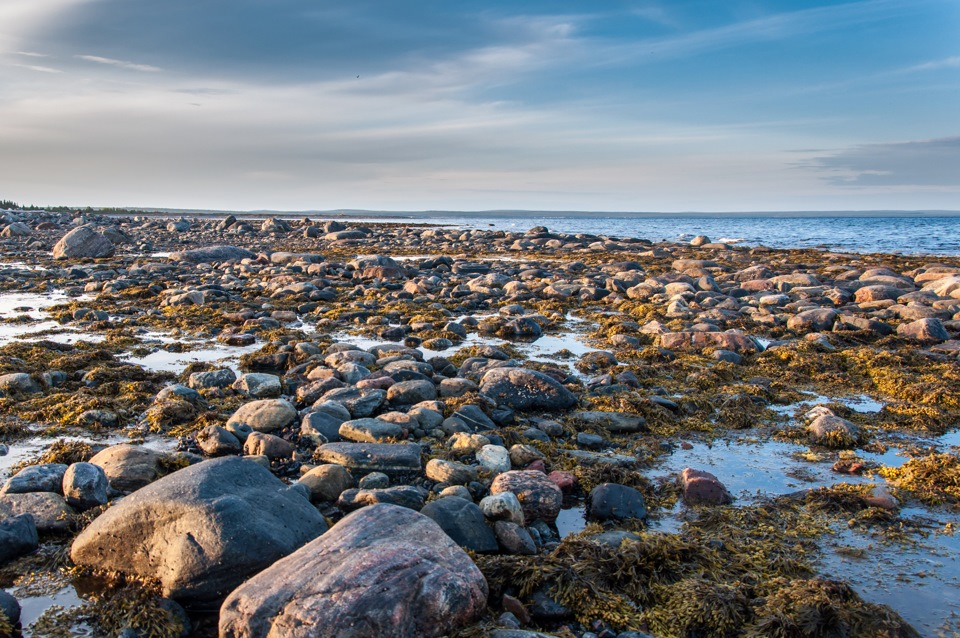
[(523, 389), (929, 330), (369, 430), (18, 536), (265, 415), (217, 441), (128, 467), (382, 571), (46, 477), (85, 485), (259, 385), (539, 497), (19, 382), (610, 501), (462, 521), (212, 379), (202, 530), (212, 253), (9, 608), (83, 242), (391, 458), (49, 511)]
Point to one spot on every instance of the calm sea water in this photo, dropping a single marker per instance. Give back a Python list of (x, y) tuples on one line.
[(918, 235)]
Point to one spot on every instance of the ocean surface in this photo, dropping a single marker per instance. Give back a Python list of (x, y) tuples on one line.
[(917, 235)]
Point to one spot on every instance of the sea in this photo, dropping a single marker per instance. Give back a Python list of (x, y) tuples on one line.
[(907, 234)]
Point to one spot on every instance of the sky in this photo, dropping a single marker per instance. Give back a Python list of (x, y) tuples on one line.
[(679, 105)]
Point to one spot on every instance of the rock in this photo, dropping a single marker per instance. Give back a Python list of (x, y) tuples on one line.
[(731, 340), (16, 229), (46, 477), (474, 417), (610, 501), (514, 539), (211, 254), (327, 482), (359, 402), (463, 522), (450, 472), (391, 458), (411, 392), (268, 445), (19, 382), (614, 421), (703, 488), (833, 431), (18, 536), (81, 243), (816, 320), (320, 427), (201, 530), (928, 330), (50, 511), (85, 485), (539, 497), (401, 495), (9, 608), (128, 467), (523, 389), (265, 415), (494, 457), (504, 506), (382, 571), (259, 385), (369, 431), (217, 441), (222, 378)]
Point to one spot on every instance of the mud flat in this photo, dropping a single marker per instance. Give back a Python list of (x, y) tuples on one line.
[(303, 427)]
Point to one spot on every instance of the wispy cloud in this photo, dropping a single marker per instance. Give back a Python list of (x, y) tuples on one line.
[(921, 164), (952, 62), (37, 67), (31, 54), (123, 64)]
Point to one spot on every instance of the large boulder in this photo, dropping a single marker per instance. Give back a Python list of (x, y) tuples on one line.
[(265, 415), (83, 242), (463, 521), (929, 330), (523, 389), (212, 253), (382, 571), (18, 536), (202, 530), (611, 501)]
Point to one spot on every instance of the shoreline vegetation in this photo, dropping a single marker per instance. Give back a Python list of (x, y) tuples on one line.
[(249, 425)]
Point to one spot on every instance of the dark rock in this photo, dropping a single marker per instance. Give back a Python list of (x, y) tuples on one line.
[(9, 608), (610, 501), (18, 536), (46, 477), (462, 521), (401, 495), (523, 389), (211, 254), (85, 485), (539, 497), (201, 530), (392, 458), (703, 488), (128, 467), (217, 441), (382, 571)]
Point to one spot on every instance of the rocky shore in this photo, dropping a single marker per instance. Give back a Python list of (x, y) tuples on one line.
[(393, 451)]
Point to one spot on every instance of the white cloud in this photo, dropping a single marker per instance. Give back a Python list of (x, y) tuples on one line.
[(123, 64)]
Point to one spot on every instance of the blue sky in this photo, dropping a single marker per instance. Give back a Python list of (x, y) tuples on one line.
[(620, 106)]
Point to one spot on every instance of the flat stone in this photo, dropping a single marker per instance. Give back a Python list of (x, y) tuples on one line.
[(391, 458), (614, 421), (369, 430)]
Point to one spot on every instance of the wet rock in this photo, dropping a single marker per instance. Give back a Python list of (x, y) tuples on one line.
[(463, 522), (407, 496), (831, 430), (222, 378), (450, 472), (369, 431), (474, 417), (83, 242), (391, 458), (523, 389), (514, 539), (610, 501), (9, 607), (273, 447), (616, 422), (539, 497), (128, 467), (212, 254), (85, 485), (382, 571), (327, 482), (259, 385), (201, 530), (703, 488), (18, 536), (50, 511), (265, 415), (217, 441), (929, 330), (45, 477), (19, 382)]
